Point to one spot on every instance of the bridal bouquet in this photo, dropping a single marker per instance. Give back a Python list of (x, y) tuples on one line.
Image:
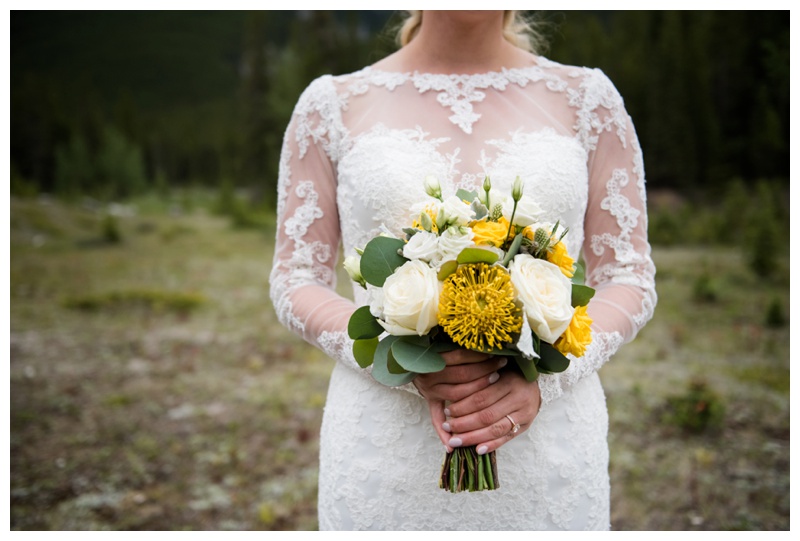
[(479, 271)]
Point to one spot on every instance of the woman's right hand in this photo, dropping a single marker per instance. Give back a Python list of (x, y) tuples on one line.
[(466, 373)]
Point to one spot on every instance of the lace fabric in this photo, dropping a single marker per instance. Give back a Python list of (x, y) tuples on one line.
[(352, 163)]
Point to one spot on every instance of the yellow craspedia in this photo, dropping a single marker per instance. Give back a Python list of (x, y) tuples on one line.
[(491, 233), (558, 256), (578, 335), (477, 309)]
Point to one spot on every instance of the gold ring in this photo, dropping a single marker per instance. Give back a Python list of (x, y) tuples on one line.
[(514, 425)]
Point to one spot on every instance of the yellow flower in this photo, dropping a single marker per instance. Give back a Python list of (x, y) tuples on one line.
[(578, 335), (491, 233), (558, 256), (477, 309), (431, 211)]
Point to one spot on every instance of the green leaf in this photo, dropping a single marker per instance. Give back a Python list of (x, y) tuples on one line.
[(581, 295), (380, 367), (528, 367), (471, 255), (364, 351), (393, 366), (466, 195), (380, 259), (579, 277), (552, 361), (415, 358), (513, 249), (447, 268), (363, 325)]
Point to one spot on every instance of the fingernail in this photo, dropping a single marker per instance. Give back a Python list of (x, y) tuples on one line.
[(494, 377), (446, 412), (503, 362), (446, 426), (448, 449), (482, 450), (455, 442)]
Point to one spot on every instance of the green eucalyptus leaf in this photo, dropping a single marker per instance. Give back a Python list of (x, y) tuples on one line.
[(416, 358), (364, 351), (466, 195), (474, 255), (380, 259), (447, 268), (363, 325), (581, 295), (552, 361), (380, 367)]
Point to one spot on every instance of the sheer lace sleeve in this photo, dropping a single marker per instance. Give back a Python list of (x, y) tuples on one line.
[(616, 250), (303, 275)]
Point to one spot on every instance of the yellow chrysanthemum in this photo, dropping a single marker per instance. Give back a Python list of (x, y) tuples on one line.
[(491, 233), (477, 309), (578, 335), (558, 256)]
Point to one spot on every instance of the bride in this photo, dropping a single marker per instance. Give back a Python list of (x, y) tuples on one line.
[(463, 98)]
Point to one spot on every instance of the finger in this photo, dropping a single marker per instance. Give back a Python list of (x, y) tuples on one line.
[(465, 373), (492, 436), (438, 419), (458, 392), (464, 356), (467, 407)]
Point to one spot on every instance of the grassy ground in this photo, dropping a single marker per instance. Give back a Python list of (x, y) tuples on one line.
[(152, 388)]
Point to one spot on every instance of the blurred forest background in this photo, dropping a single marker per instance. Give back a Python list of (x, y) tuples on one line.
[(151, 387)]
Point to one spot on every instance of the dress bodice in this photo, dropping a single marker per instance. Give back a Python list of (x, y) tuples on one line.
[(359, 146)]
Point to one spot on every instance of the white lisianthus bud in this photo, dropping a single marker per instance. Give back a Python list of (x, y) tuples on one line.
[(516, 191), (432, 187), (453, 241), (487, 183), (527, 212), (545, 293), (456, 212), (352, 264), (423, 246), (411, 300)]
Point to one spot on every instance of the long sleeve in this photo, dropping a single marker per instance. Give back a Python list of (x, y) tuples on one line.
[(615, 250), (303, 277)]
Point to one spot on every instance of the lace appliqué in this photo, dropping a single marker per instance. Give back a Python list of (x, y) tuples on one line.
[(603, 346), (458, 92), (596, 91)]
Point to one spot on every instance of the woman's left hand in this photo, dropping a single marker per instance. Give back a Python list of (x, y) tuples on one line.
[(482, 420)]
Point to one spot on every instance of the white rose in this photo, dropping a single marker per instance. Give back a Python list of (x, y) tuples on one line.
[(546, 295), (411, 300), (456, 212), (423, 245), (453, 240), (527, 213)]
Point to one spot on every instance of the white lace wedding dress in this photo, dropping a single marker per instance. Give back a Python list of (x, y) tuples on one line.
[(353, 161)]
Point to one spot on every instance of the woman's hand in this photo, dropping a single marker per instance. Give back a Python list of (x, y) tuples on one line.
[(467, 372), (482, 419), (478, 403)]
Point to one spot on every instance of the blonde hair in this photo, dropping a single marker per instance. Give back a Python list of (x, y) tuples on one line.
[(517, 30)]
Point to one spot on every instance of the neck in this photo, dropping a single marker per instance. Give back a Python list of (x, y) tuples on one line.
[(462, 42)]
